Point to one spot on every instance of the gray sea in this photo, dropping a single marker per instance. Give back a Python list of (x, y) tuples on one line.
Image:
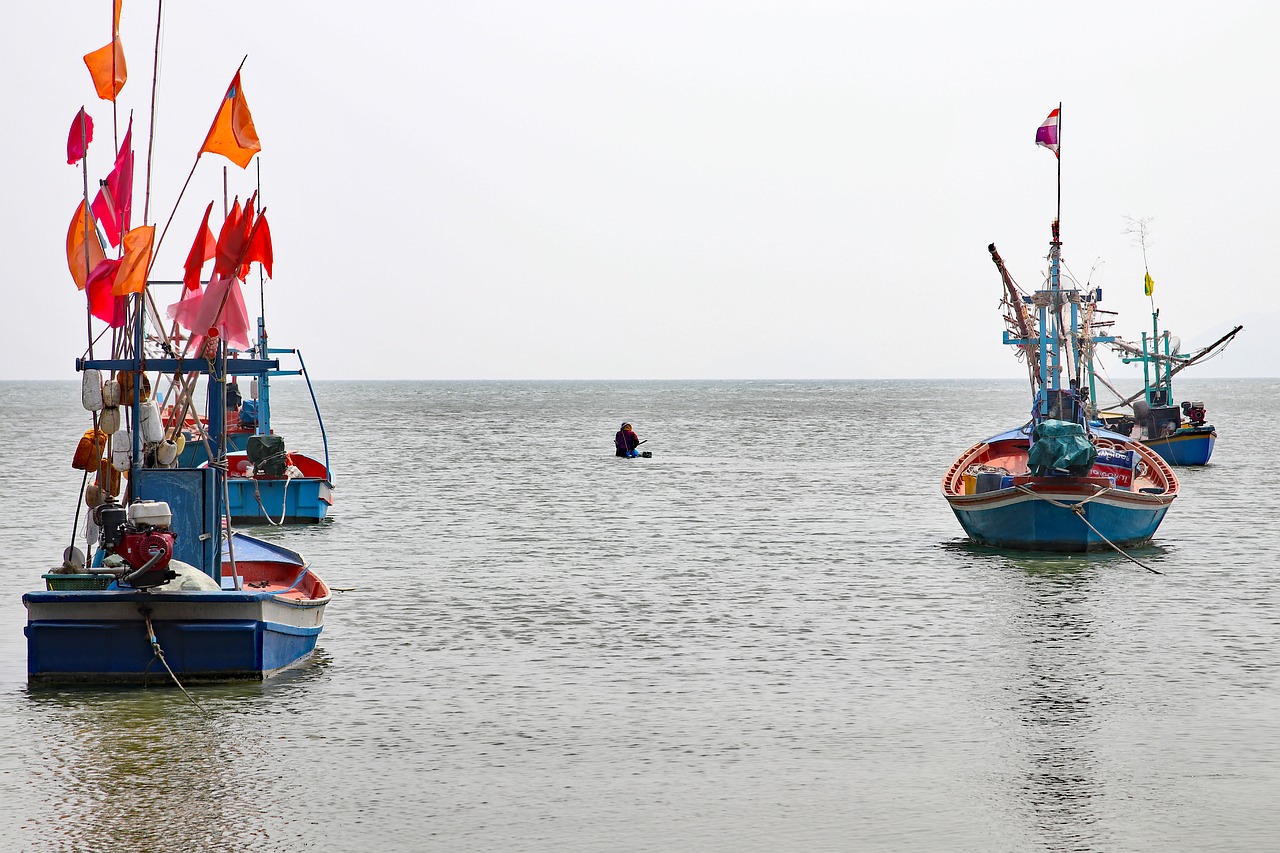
[(771, 636)]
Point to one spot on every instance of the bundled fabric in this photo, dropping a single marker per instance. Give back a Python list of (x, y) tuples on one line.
[(1060, 446), (267, 454)]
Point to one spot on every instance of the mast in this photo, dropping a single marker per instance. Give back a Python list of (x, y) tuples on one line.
[(1058, 216)]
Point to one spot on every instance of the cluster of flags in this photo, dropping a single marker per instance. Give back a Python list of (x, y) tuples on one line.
[(243, 239)]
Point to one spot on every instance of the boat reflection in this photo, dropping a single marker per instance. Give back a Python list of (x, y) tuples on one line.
[(130, 769)]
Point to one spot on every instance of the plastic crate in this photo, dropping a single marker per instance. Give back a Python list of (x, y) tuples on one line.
[(64, 583)]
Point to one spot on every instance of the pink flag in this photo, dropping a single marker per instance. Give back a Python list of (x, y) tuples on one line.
[(1047, 133), (220, 307), (80, 137), (114, 201)]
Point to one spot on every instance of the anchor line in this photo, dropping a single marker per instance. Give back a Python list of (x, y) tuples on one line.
[(284, 498), (159, 655), (1078, 509)]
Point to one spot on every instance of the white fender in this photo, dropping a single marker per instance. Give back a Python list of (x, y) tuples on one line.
[(109, 420), (91, 390), (167, 454), (110, 393), (121, 449), (152, 427)]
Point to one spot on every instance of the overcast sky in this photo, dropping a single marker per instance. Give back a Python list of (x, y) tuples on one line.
[(595, 190)]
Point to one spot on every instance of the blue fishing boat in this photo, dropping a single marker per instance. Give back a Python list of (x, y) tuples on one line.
[(267, 484), (165, 588), (1058, 482), (1179, 433)]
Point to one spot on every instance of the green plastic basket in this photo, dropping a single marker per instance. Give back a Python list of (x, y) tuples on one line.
[(63, 583)]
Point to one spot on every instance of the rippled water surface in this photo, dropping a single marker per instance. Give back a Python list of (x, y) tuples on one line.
[(770, 636)]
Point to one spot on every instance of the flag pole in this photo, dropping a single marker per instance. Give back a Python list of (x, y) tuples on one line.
[(1059, 159), (84, 163), (151, 137)]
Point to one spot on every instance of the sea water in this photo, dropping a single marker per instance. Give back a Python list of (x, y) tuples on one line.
[(770, 636)]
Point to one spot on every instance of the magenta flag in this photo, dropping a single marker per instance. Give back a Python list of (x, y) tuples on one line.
[(79, 138), (114, 201), (1047, 133), (103, 304)]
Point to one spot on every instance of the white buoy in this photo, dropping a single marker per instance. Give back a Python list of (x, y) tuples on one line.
[(121, 449), (110, 393), (91, 390), (152, 426), (109, 420), (167, 454)]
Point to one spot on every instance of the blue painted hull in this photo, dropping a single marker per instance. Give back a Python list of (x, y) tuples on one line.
[(100, 636), (1009, 518), (293, 501), (1186, 447)]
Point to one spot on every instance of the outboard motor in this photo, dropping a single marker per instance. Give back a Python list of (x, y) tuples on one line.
[(140, 538)]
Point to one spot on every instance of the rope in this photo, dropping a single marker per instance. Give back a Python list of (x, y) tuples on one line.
[(1078, 509), (159, 655), (284, 498)]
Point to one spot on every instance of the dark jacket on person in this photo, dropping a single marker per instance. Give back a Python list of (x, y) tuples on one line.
[(625, 441)]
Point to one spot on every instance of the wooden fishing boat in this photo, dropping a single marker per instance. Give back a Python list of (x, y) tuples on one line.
[(169, 590), (1057, 483), (1179, 433)]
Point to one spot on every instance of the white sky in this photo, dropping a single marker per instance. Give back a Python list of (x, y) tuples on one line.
[(532, 190)]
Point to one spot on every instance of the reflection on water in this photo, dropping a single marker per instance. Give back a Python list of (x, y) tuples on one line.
[(127, 769), (1056, 697)]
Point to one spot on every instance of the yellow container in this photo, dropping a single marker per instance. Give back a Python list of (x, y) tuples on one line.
[(970, 483)]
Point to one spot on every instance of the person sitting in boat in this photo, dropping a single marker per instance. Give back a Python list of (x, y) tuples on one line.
[(626, 442)]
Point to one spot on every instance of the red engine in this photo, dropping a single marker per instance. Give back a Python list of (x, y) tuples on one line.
[(137, 547)]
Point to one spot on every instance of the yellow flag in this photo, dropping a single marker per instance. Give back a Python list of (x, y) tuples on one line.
[(1148, 284), (131, 277)]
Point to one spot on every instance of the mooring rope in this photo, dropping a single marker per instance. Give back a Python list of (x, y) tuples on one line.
[(1078, 509), (159, 654), (284, 498)]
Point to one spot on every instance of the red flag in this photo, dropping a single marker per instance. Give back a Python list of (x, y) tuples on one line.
[(79, 138), (103, 304), (203, 249), (231, 238), (232, 133), (114, 201), (260, 247)]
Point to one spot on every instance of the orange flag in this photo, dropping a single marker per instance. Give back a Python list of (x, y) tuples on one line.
[(232, 134), (106, 64), (132, 275), (80, 262)]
